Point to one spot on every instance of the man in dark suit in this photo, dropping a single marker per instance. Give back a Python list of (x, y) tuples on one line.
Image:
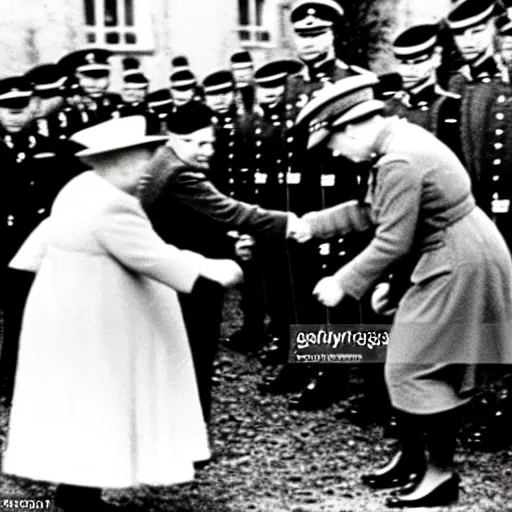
[(188, 211)]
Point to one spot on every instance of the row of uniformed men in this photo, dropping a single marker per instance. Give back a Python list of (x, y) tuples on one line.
[(260, 158)]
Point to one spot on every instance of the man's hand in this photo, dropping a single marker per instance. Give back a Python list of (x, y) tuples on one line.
[(298, 229), (328, 291), (244, 247), (225, 272)]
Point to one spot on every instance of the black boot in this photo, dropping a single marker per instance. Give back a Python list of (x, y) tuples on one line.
[(408, 465), (444, 494), (327, 387), (440, 480)]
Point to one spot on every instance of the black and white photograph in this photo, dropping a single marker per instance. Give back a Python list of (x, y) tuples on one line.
[(256, 255)]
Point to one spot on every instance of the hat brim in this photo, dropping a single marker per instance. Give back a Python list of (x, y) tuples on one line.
[(146, 141), (355, 113)]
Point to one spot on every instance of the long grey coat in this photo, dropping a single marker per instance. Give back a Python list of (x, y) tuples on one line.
[(458, 311)]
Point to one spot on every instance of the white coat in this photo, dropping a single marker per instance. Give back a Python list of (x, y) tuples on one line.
[(105, 392)]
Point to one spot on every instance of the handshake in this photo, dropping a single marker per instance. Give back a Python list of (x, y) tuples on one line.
[(298, 229)]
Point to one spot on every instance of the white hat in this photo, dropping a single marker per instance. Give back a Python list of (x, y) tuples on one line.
[(115, 134)]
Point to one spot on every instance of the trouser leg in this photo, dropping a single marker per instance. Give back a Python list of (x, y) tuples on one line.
[(202, 312)]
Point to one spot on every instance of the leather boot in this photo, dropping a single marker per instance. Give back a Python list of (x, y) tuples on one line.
[(408, 465), (440, 436)]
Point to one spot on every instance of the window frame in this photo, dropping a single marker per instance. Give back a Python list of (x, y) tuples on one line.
[(252, 28), (142, 26)]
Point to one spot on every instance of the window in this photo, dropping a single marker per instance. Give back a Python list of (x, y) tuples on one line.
[(251, 29), (122, 25)]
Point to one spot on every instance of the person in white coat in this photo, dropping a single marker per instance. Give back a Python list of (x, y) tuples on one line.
[(105, 394)]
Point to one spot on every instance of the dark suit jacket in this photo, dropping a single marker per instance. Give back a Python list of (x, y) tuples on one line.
[(187, 210)]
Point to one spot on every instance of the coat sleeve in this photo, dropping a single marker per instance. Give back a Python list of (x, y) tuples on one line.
[(195, 191), (339, 220), (396, 206), (125, 232)]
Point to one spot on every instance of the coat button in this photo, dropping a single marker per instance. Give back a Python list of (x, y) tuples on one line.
[(496, 161), (498, 145), (495, 177), (500, 116), (499, 132), (502, 98)]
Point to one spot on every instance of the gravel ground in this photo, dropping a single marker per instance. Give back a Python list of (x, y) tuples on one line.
[(270, 459)]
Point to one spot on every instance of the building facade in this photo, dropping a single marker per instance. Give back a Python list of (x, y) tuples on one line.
[(36, 32)]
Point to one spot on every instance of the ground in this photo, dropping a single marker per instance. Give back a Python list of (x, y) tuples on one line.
[(270, 459)]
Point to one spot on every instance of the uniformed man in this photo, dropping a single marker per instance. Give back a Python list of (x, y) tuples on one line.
[(134, 94), (423, 101), (183, 88), (486, 112), (160, 103), (315, 181), (232, 172), (53, 117), (231, 162), (91, 69), (34, 169), (314, 29), (273, 146), (242, 68)]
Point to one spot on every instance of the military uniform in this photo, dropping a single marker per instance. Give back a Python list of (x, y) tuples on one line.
[(321, 179), (313, 181), (92, 63), (434, 109), (230, 166), (486, 135), (35, 168)]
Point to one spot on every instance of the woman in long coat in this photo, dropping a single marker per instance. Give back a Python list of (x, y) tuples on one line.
[(105, 393), (457, 312)]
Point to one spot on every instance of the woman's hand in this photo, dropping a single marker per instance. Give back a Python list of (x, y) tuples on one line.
[(225, 272), (328, 291)]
